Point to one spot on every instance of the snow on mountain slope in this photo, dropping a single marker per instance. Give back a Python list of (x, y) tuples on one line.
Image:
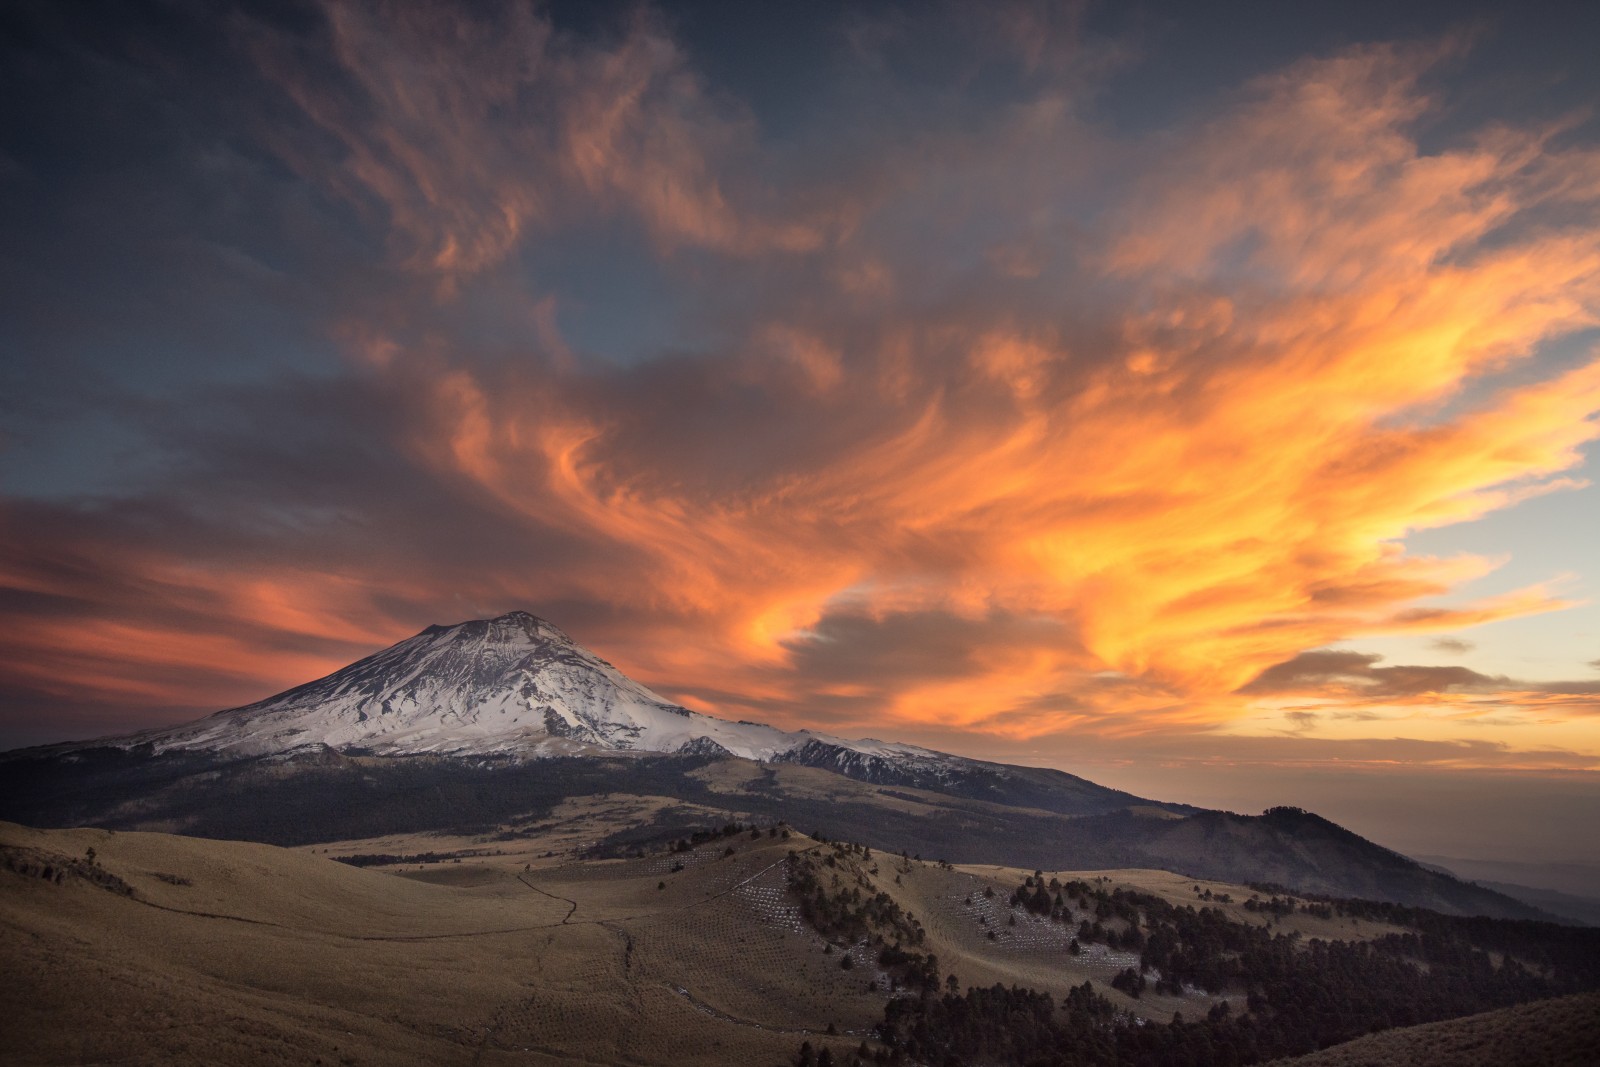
[(515, 686)]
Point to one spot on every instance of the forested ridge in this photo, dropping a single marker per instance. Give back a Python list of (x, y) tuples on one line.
[(1274, 993)]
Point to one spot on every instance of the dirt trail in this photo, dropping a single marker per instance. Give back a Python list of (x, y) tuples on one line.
[(347, 936), (572, 905)]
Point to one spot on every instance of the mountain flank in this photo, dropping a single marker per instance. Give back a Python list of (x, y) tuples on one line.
[(1562, 1032), (490, 725)]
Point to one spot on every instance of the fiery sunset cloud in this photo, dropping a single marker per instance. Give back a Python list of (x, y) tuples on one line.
[(927, 404)]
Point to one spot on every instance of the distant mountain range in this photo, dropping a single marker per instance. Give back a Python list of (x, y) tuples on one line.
[(491, 719)]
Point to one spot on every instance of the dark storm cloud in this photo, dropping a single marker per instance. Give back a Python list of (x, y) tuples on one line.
[(1323, 667), (854, 648), (1302, 720), (1357, 674)]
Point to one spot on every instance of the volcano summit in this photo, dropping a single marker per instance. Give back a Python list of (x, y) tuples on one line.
[(485, 719), (512, 686)]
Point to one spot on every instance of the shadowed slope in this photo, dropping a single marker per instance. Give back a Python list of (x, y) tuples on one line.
[(1553, 1033)]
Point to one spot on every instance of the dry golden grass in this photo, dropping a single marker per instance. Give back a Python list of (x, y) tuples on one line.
[(1033, 952), (250, 954), (244, 953)]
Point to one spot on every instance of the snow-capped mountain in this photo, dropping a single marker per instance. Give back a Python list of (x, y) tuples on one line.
[(517, 687), (510, 686), (513, 695)]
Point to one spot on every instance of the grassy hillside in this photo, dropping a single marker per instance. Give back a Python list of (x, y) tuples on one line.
[(725, 948), (156, 948), (1554, 1033), (229, 952)]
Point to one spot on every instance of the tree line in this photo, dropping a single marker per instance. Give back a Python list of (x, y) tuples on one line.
[(1286, 995)]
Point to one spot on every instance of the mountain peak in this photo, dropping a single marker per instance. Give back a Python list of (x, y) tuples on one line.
[(514, 685), (524, 619), (515, 627)]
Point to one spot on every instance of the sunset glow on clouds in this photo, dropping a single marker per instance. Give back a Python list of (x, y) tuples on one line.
[(972, 411)]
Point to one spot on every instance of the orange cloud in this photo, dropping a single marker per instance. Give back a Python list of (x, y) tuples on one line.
[(169, 632), (1231, 486), (1102, 493)]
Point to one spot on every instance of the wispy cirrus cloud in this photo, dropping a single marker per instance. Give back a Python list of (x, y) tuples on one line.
[(474, 132), (1104, 471)]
